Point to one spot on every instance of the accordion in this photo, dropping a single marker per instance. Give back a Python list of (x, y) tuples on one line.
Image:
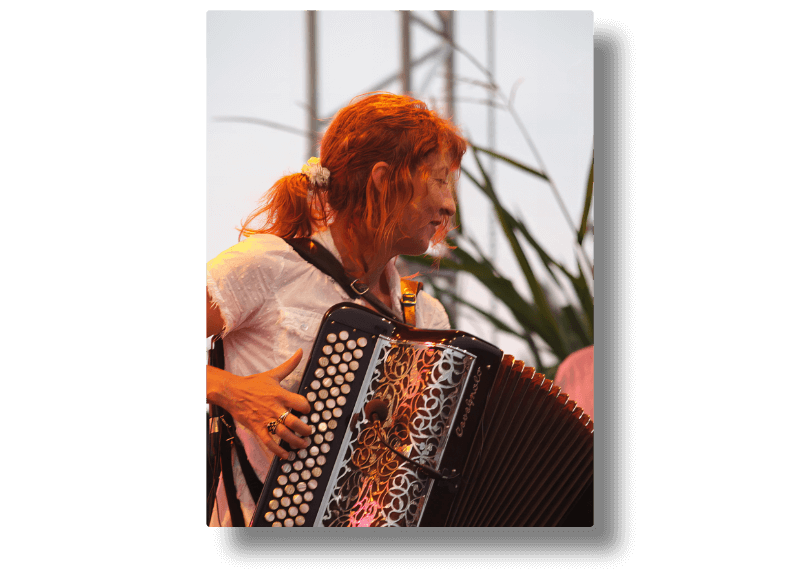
[(417, 427)]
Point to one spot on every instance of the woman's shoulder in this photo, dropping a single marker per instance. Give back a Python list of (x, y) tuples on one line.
[(433, 312)]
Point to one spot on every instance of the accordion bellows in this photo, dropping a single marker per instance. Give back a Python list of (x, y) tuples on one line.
[(499, 445)]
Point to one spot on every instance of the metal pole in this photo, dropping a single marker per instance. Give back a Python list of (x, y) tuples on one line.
[(490, 129), (405, 49), (311, 20)]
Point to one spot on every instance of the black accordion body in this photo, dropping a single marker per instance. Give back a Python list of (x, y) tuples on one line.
[(428, 428)]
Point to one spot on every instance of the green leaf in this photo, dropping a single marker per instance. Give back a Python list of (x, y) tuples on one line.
[(587, 204), (511, 161)]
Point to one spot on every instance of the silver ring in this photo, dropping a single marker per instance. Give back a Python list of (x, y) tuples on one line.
[(272, 427), (282, 419)]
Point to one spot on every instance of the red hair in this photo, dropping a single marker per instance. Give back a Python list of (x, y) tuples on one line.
[(376, 127)]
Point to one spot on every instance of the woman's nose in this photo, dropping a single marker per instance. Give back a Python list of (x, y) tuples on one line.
[(447, 202)]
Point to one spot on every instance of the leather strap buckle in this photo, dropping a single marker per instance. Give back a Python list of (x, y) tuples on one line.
[(358, 287), (408, 299)]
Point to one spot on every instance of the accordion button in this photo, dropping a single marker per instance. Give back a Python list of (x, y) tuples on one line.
[(304, 509), (316, 472), (327, 382), (347, 356), (288, 523), (338, 347), (314, 417), (306, 474), (331, 403), (337, 412), (326, 415), (297, 499), (312, 484), (302, 453), (341, 400), (311, 396), (332, 425), (339, 379), (331, 338), (343, 367), (358, 353), (323, 361), (274, 504), (282, 480), (281, 514), (323, 393), (277, 492), (308, 496), (327, 349), (354, 365), (346, 389), (331, 370), (344, 335), (286, 501), (321, 461), (322, 426), (301, 488), (293, 512), (335, 359), (349, 376), (319, 373), (300, 520), (269, 517), (318, 439), (298, 465), (289, 490), (335, 392), (315, 384), (314, 451), (294, 477), (324, 448), (362, 342), (319, 406), (351, 344)]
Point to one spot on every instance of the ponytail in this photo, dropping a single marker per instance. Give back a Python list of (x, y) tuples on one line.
[(291, 209)]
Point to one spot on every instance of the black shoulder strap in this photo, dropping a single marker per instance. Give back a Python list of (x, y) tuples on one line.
[(326, 262), (222, 440)]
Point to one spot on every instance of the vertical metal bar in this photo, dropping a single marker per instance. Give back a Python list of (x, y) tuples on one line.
[(490, 129), (405, 49), (311, 20)]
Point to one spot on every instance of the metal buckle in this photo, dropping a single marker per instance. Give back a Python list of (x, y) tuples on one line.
[(359, 288), (408, 299)]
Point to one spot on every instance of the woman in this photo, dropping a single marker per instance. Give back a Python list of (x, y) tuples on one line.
[(382, 186)]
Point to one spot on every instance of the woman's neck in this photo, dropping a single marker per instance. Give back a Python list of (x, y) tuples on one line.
[(372, 267)]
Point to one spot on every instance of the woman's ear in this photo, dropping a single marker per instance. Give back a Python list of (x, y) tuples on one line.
[(379, 174)]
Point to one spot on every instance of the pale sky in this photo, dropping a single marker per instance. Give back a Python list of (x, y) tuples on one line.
[(257, 69)]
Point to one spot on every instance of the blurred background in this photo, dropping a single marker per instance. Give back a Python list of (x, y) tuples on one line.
[(519, 84)]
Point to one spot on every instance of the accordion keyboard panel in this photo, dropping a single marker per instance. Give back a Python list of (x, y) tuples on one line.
[(296, 486)]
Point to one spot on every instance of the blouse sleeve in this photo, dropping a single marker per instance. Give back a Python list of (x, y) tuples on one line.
[(241, 279)]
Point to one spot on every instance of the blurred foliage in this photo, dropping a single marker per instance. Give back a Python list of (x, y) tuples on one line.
[(537, 320)]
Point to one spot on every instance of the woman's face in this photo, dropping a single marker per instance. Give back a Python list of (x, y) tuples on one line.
[(432, 203)]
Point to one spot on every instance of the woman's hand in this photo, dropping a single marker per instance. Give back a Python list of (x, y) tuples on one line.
[(257, 400)]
